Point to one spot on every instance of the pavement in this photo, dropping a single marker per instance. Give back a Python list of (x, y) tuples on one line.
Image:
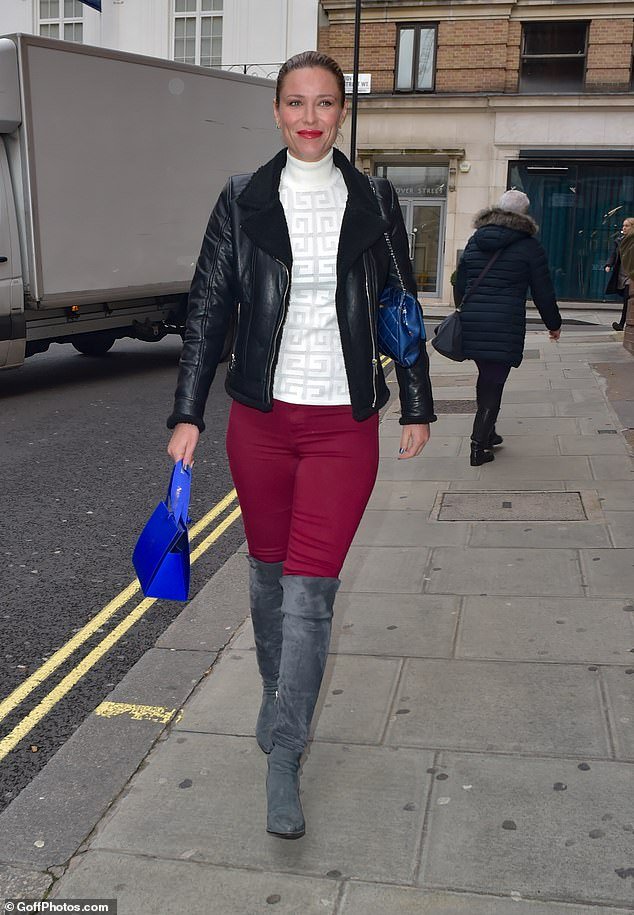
[(473, 747)]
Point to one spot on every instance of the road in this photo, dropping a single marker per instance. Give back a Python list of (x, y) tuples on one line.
[(82, 463)]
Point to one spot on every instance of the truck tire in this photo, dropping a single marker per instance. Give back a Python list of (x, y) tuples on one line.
[(93, 344)]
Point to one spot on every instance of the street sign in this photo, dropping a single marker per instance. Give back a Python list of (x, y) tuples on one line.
[(364, 84)]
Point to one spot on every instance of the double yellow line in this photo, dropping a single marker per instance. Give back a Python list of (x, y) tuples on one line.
[(12, 701)]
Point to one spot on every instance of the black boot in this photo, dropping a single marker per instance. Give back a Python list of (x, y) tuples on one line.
[(307, 617), (495, 439), (265, 592), (483, 426)]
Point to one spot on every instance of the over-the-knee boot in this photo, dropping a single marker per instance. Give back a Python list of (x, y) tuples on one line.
[(265, 593), (307, 618)]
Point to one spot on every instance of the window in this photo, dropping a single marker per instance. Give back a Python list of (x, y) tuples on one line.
[(553, 56), (415, 58), (198, 32), (62, 19)]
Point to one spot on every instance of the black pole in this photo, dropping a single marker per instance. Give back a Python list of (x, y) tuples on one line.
[(355, 83)]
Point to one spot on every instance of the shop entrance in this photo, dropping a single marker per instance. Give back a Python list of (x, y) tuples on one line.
[(422, 191), (579, 207)]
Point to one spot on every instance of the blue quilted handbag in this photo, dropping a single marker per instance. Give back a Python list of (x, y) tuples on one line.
[(161, 555), (400, 326)]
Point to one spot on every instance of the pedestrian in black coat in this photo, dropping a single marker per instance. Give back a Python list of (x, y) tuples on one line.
[(494, 317), (618, 279)]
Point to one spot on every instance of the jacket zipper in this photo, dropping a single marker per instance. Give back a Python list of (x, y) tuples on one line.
[(372, 336), (269, 368), (232, 361)]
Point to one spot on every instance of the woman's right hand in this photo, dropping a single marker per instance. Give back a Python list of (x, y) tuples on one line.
[(183, 443)]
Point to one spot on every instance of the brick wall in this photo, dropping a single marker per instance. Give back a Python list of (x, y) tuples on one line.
[(480, 55), (609, 54)]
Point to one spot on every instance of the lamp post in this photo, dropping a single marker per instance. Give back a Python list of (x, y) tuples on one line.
[(355, 82)]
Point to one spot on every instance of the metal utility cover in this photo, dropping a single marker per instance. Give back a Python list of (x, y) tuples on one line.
[(511, 506)]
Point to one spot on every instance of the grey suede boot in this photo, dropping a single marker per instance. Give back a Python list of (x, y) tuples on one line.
[(265, 593), (307, 618)]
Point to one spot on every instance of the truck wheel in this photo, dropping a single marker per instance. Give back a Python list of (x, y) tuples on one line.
[(94, 344)]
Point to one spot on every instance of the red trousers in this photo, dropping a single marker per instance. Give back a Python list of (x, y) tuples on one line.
[(303, 475)]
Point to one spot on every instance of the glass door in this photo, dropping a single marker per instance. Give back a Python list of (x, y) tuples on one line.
[(425, 225)]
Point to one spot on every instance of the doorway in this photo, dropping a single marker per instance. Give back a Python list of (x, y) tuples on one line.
[(422, 193)]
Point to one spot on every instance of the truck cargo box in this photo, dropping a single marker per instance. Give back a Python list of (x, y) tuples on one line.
[(116, 160)]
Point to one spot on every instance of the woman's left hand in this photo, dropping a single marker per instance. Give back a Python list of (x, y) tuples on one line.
[(413, 440)]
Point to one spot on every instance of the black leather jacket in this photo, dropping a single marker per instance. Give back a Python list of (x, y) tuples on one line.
[(245, 264)]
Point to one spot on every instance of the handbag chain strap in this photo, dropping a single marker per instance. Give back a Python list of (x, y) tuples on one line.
[(388, 240)]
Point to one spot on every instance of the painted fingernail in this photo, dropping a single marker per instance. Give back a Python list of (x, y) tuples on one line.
[(401, 450)]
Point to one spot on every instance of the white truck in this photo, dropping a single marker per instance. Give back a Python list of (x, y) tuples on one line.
[(109, 166)]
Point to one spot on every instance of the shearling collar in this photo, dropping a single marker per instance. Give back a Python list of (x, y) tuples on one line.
[(265, 223), (494, 216)]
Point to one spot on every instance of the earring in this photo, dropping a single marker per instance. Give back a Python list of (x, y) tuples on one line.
[(277, 125)]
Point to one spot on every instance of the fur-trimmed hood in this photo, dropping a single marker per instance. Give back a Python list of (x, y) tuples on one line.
[(496, 228)]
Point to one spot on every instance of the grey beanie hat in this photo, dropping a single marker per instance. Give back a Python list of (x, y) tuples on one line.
[(514, 201)]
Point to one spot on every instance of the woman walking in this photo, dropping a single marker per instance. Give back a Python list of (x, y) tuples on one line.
[(618, 280), (300, 247), (504, 253)]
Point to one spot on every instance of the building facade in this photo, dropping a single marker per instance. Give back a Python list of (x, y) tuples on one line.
[(470, 97), (252, 36)]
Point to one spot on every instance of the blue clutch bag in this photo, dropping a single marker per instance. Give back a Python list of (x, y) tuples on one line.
[(161, 555)]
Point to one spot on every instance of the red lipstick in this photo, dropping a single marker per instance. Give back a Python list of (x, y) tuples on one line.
[(310, 134)]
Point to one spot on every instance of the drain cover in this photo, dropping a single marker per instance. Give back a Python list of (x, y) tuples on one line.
[(511, 506)]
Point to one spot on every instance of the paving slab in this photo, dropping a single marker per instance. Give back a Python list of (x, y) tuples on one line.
[(481, 570), (592, 444), (228, 701), (412, 626), (620, 690), (391, 570), (535, 467), (405, 495), (538, 425), (539, 534), (19, 883), (608, 572), (621, 527), (526, 408), (375, 898), (434, 468), (546, 629), (589, 408), (147, 886), (612, 467), (412, 528), (502, 707), (537, 827), (521, 395), (204, 799)]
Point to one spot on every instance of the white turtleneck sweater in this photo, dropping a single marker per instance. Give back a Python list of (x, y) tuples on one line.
[(310, 367)]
